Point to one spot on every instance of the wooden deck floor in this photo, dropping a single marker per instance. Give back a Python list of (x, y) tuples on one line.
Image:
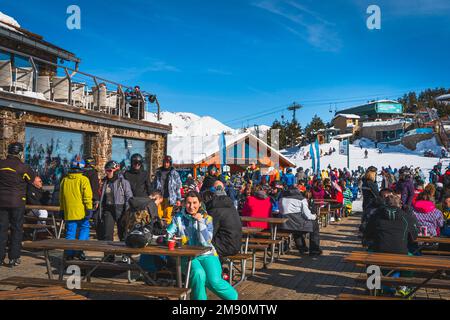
[(291, 278)]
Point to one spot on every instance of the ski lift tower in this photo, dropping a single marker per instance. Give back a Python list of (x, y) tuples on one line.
[(294, 107)]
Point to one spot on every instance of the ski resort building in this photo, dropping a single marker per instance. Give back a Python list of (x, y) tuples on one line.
[(196, 153), (60, 112), (382, 109)]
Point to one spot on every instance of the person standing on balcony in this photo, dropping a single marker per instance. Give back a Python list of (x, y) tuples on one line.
[(14, 178)]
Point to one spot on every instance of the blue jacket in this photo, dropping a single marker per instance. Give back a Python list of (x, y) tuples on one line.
[(288, 179), (175, 185)]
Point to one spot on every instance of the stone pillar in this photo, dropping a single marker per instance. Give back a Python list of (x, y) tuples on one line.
[(101, 145), (12, 129)]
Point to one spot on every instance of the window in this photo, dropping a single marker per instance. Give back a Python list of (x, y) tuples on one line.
[(123, 149), (50, 151)]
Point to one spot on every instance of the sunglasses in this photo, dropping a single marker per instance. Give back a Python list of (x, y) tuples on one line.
[(109, 170)]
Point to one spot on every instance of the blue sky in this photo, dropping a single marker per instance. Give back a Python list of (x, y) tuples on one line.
[(245, 61)]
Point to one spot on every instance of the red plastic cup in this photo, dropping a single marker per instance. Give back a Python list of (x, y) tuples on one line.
[(171, 244)]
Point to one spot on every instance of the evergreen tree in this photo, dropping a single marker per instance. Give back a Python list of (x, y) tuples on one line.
[(313, 127)]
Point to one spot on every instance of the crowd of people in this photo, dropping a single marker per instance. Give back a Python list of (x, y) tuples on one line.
[(206, 211)]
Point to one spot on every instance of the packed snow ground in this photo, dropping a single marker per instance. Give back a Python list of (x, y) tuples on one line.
[(394, 156)]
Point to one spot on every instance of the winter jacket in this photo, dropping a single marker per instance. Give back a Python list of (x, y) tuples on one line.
[(428, 216), (121, 193), (370, 192), (208, 183), (14, 178), (37, 197), (406, 188), (288, 179), (257, 206), (301, 176), (75, 196), (141, 185), (391, 230), (253, 176), (318, 194), (227, 226), (193, 232), (92, 175), (175, 185), (294, 207)]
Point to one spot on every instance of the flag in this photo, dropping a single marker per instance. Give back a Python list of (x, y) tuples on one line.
[(318, 155), (313, 157), (223, 150)]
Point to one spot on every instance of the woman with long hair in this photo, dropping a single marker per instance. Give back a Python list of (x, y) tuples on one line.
[(195, 227)]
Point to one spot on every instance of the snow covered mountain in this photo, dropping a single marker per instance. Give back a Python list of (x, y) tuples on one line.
[(189, 124)]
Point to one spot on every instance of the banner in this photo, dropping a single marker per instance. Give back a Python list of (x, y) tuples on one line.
[(313, 157), (318, 155), (223, 150), (343, 148)]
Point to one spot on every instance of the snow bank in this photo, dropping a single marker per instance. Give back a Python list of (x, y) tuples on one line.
[(394, 156)]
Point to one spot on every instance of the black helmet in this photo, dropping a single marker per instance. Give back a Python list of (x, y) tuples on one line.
[(168, 159), (112, 165), (15, 148), (372, 169), (137, 158), (90, 161)]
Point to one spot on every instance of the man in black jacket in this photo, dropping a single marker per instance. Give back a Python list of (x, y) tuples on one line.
[(210, 179), (227, 223), (92, 174), (138, 177), (14, 178), (391, 229)]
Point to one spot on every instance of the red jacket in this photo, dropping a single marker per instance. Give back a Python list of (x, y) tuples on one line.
[(257, 208)]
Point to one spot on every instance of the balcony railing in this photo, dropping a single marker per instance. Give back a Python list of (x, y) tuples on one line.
[(49, 81)]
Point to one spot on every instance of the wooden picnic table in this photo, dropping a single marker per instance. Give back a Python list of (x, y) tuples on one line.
[(111, 248), (274, 223), (436, 264), (58, 231), (440, 240)]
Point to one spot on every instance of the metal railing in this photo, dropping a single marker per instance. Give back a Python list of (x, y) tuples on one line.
[(73, 87)]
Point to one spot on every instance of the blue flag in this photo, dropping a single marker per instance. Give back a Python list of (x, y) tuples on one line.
[(223, 150), (313, 157), (318, 155)]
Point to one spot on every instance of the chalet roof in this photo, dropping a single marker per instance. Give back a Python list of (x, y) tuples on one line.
[(24, 36)]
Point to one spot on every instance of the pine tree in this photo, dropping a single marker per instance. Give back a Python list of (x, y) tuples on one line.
[(313, 127)]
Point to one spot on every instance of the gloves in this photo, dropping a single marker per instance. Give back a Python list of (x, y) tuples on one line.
[(89, 214)]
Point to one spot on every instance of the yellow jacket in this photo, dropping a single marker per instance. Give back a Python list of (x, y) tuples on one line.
[(75, 196)]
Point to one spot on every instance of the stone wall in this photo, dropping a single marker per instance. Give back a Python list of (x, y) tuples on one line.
[(98, 137)]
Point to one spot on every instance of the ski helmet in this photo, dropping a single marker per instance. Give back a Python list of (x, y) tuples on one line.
[(137, 159), (15, 148), (90, 161), (112, 165), (78, 164), (168, 159)]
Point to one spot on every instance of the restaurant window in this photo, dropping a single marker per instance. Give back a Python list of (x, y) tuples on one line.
[(123, 149), (50, 151)]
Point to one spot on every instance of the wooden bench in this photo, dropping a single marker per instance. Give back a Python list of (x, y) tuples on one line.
[(410, 269), (262, 248), (167, 293), (410, 282), (240, 258), (355, 297), (267, 242), (435, 253), (286, 237), (47, 293)]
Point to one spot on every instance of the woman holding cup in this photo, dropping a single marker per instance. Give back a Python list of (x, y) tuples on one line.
[(194, 226)]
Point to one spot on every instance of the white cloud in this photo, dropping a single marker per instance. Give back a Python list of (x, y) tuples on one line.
[(304, 23), (219, 72)]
